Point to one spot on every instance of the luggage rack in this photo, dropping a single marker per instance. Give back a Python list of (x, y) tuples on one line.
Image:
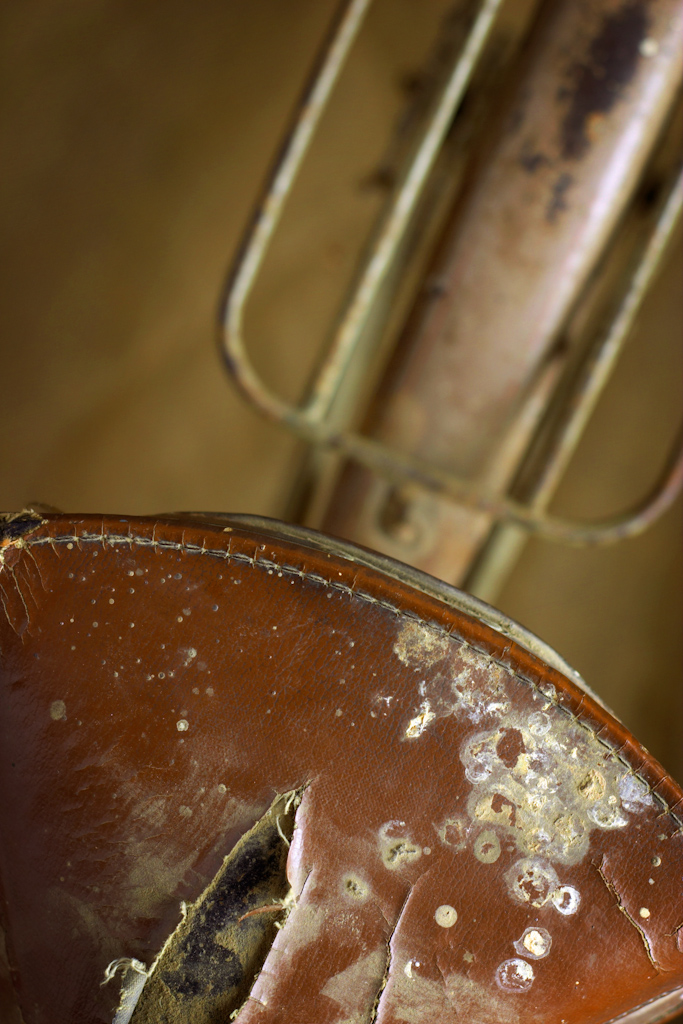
[(317, 420)]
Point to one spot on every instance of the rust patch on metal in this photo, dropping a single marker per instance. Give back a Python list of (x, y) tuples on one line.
[(558, 197), (531, 160), (598, 81)]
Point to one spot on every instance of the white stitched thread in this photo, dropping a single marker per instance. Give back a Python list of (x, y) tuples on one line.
[(344, 588)]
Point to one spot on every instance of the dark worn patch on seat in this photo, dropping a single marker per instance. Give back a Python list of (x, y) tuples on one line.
[(208, 965)]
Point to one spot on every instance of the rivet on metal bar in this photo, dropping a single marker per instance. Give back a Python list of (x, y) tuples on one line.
[(309, 421)]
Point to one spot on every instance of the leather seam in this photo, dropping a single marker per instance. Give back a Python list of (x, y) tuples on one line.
[(547, 692)]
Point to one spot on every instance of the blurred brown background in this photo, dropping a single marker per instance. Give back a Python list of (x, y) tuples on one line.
[(135, 138)]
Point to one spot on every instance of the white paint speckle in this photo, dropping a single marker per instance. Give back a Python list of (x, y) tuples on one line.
[(532, 880), (644, 912), (546, 788), (534, 942), (184, 811), (487, 847), (634, 793), (566, 899), (539, 723), (418, 644), (607, 817), (453, 833), (648, 48), (408, 969), (182, 725), (515, 975), (355, 887), (446, 915), (190, 654), (222, 788), (417, 725), (58, 711)]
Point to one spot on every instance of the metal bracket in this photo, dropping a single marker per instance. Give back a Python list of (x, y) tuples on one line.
[(311, 421)]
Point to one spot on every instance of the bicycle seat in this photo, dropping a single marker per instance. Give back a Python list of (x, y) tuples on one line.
[(250, 772)]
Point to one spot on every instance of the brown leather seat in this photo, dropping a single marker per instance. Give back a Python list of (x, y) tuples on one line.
[(473, 837)]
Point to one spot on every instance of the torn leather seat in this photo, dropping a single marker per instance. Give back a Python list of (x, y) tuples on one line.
[(266, 776)]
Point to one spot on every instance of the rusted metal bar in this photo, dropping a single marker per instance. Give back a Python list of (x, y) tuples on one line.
[(594, 89), (401, 468), (308, 421), (594, 375), (270, 208), (476, 369)]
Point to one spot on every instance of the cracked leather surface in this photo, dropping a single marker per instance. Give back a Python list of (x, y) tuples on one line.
[(477, 839)]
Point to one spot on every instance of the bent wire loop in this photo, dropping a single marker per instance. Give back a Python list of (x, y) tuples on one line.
[(311, 421)]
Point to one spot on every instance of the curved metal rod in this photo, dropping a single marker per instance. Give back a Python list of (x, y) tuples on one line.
[(393, 229), (603, 358), (403, 469), (471, 494), (277, 189), (309, 422)]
